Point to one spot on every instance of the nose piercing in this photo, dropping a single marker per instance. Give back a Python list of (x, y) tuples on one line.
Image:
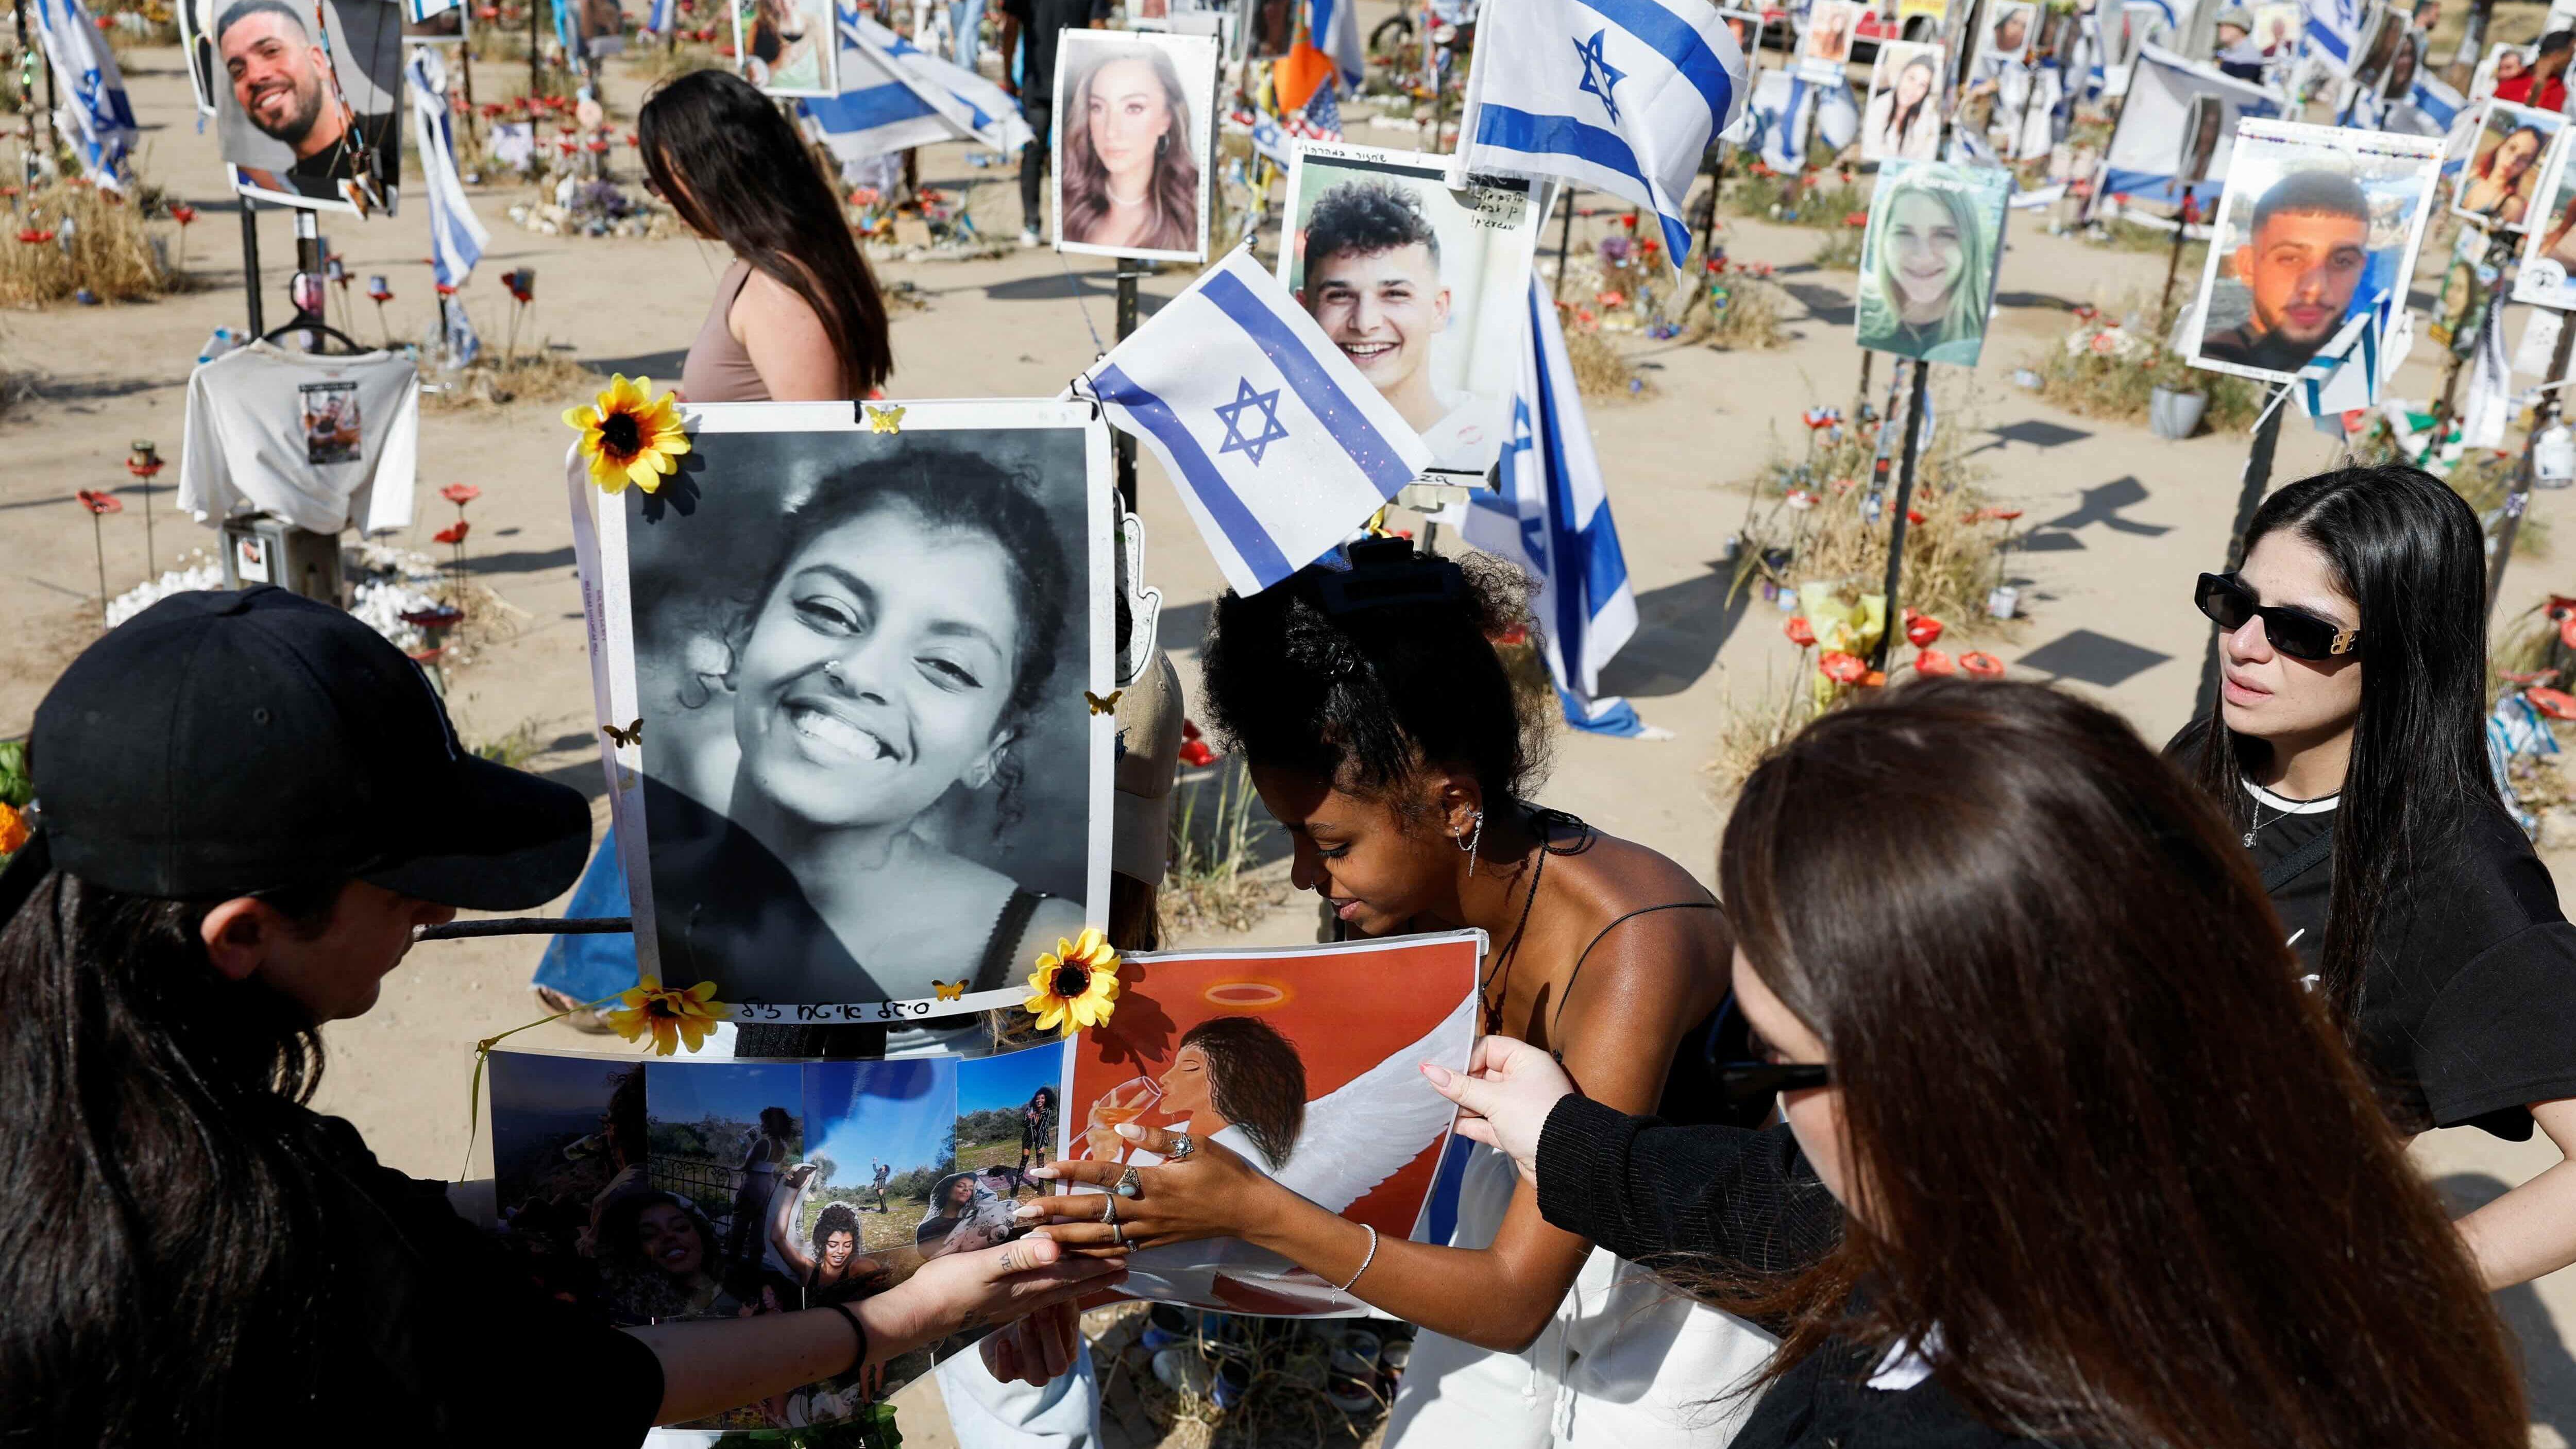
[(832, 670)]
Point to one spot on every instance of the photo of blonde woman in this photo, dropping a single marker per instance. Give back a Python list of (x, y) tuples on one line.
[(1131, 140)]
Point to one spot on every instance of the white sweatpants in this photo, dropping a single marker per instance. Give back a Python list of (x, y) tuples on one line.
[(989, 1414), (1627, 1363)]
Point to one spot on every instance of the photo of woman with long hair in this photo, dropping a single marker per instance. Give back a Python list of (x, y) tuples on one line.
[(865, 733), (762, 1156), (1904, 117), (2501, 179), (1130, 133), (826, 1262), (1928, 261), (658, 1259), (2552, 239)]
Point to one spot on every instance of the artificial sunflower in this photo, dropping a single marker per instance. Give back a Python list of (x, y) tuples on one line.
[(671, 1015), (630, 436), (1075, 985)]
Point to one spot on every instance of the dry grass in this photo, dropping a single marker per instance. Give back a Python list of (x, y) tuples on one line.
[(1212, 883), (1284, 1403), (657, 64), (1839, 251), (536, 375), (1602, 373), (2484, 477), (111, 251), (2118, 384), (1742, 314), (1952, 556)]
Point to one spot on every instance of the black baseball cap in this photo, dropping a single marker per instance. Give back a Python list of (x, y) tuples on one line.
[(222, 743)]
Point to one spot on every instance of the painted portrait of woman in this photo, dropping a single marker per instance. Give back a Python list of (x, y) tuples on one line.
[(1129, 172)]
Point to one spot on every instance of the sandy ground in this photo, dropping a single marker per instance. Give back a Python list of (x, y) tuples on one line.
[(2123, 522)]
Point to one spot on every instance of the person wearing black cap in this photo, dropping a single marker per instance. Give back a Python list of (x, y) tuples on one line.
[(246, 804)]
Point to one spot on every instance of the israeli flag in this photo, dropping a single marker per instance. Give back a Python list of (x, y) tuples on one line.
[(96, 117), (1621, 96), (2333, 30), (1551, 516), (456, 237), (1334, 27), (658, 19), (976, 107), (1788, 105), (1279, 448)]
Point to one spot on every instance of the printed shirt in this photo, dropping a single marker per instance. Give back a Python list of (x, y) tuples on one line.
[(325, 443)]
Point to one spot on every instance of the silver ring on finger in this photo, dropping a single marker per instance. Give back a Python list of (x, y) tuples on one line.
[(1118, 1235), (1109, 1208), (1181, 1148), (1130, 1186)]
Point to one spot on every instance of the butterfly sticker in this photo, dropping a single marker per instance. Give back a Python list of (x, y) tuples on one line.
[(884, 420), (950, 990), (630, 736), (1100, 705)]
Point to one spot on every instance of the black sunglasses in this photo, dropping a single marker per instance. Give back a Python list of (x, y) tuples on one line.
[(1746, 1081), (2295, 632)]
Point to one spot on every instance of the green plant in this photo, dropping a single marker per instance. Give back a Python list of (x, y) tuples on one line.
[(2108, 369), (1839, 251), (1208, 884), (514, 749), (17, 787), (1747, 319), (2484, 476)]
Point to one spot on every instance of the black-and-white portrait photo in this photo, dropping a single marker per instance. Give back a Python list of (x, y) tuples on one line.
[(870, 768)]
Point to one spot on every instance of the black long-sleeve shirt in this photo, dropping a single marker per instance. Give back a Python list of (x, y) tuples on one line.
[(1724, 1197)]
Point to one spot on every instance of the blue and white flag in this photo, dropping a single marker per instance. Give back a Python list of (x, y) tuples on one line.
[(456, 236), (657, 19), (1279, 448), (1551, 516), (1788, 105), (96, 117), (2333, 30), (1333, 27), (976, 107), (1621, 96), (2144, 153)]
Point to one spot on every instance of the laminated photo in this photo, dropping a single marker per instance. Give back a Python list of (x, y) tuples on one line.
[(196, 22), (2005, 38), (2276, 29), (2317, 230), (1902, 121), (2499, 186), (308, 119), (1134, 118), (1825, 47), (871, 784), (2503, 65), (2383, 35), (1424, 289), (2549, 241), (1306, 1063), (1746, 27), (2169, 98), (787, 47), (1929, 258), (434, 22)]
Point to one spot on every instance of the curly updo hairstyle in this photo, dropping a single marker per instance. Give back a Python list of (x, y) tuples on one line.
[(1368, 677)]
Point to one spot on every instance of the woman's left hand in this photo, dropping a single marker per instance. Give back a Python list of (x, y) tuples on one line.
[(1210, 1193)]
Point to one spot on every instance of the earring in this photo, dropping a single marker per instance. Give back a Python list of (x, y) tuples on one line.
[(1162, 145), (1468, 845)]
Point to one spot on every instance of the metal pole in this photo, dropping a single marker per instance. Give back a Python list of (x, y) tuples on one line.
[(1904, 500), (52, 103), (2518, 498), (1124, 443), (534, 89), (1708, 233), (1564, 246), (250, 262), (2249, 497), (2173, 263)]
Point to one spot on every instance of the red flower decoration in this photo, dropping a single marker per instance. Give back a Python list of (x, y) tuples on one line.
[(460, 494), (2537, 676), (1800, 632), (454, 532), (1921, 629), (2005, 515), (1934, 662), (182, 213), (1611, 299), (2560, 606), (2567, 631), (1914, 515), (33, 237), (1857, 218), (2555, 703), (101, 502), (1982, 664), (1841, 668)]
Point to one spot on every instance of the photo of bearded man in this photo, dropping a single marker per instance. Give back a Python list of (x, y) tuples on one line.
[(287, 129)]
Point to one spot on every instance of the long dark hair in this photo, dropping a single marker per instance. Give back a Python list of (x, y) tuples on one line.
[(1367, 697), (2410, 555), (1256, 1081), (162, 1245), (2132, 1192), (732, 167), (1176, 166), (1900, 122)]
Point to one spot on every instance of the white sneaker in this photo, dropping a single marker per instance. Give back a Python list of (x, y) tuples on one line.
[(1028, 236)]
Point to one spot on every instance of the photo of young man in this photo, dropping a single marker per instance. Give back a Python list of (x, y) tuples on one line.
[(2309, 244), (1373, 283), (284, 125)]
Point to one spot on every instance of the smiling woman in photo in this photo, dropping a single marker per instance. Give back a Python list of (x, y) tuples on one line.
[(1131, 181), (1924, 289), (894, 654), (2499, 184), (658, 1260)]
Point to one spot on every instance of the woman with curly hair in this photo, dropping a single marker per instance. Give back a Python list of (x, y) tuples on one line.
[(1130, 180), (657, 1260), (827, 1262)]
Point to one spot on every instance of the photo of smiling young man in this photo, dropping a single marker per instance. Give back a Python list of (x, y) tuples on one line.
[(869, 771), (1422, 288), (295, 128), (2318, 224)]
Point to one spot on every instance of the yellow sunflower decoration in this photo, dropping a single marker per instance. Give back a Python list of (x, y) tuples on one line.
[(672, 1016), (1075, 985), (630, 436)]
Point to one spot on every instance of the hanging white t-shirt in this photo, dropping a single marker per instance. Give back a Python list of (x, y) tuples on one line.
[(325, 443)]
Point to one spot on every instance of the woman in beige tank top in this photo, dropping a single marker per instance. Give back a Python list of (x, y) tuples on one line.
[(796, 316)]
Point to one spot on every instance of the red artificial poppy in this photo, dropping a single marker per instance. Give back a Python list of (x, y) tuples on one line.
[(599, 145), (1857, 218), (2005, 515), (460, 494), (1875, 679), (2567, 631), (1914, 515), (183, 213), (33, 237), (1611, 299), (1801, 498), (2560, 606), (101, 502), (2537, 676), (1194, 748), (454, 532), (1651, 246), (442, 616), (2555, 703), (2086, 312), (1921, 629), (1934, 662), (1982, 664), (1716, 265), (1841, 668), (1583, 315), (1800, 632), (446, 289)]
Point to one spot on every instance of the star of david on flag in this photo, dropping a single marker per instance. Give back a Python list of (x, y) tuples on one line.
[(1232, 376), (1630, 112)]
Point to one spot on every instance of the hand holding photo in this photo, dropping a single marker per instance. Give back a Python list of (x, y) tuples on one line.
[(1929, 258), (1131, 143), (2500, 185)]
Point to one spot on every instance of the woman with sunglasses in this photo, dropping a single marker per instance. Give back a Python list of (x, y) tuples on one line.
[(2349, 752), (1382, 732), (796, 315), (2094, 1170)]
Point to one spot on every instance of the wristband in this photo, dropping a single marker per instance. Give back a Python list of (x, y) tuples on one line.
[(856, 1327)]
